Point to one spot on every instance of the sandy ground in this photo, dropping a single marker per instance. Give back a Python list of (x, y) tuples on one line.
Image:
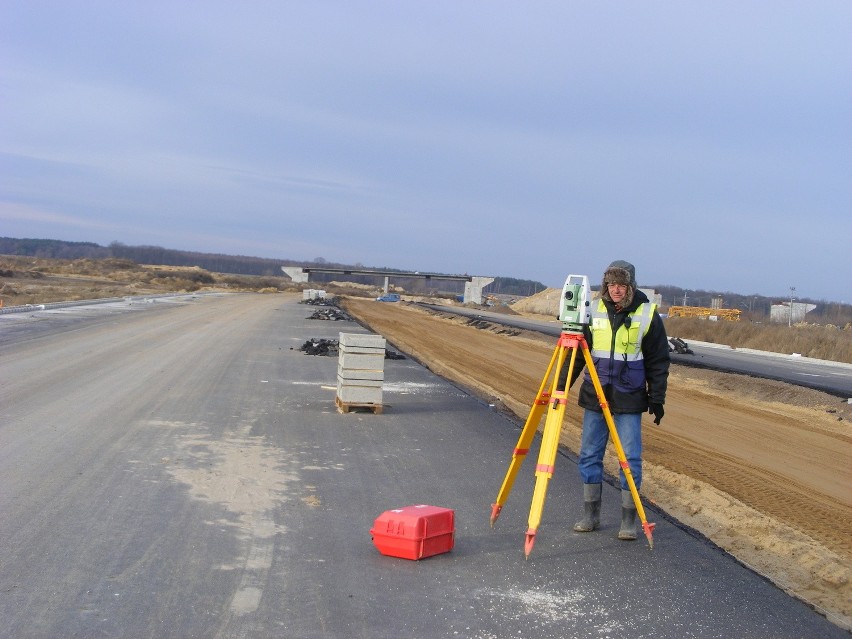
[(760, 468)]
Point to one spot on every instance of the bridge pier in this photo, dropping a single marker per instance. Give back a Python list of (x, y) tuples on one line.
[(473, 289), (296, 273)]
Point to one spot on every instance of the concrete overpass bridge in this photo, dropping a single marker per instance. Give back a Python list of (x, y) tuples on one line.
[(473, 284)]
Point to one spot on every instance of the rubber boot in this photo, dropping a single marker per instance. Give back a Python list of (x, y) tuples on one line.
[(591, 509), (627, 531)]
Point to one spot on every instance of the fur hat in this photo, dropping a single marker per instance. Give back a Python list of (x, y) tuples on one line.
[(620, 272)]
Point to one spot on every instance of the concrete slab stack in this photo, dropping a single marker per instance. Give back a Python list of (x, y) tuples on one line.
[(360, 371), (313, 294)]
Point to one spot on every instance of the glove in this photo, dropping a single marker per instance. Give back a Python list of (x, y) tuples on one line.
[(657, 411)]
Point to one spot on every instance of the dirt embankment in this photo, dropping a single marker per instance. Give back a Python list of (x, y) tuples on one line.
[(760, 468)]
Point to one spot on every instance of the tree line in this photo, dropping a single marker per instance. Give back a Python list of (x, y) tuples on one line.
[(753, 306), (239, 264)]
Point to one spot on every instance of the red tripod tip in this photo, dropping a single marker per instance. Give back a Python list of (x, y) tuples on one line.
[(495, 513), (649, 532), (530, 542)]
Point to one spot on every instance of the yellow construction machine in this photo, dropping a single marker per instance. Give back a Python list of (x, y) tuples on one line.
[(730, 314)]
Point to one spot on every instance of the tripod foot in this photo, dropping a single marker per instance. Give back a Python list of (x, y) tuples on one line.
[(530, 542), (495, 513), (648, 527)]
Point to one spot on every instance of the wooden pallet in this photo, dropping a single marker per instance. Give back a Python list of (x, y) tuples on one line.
[(345, 407)]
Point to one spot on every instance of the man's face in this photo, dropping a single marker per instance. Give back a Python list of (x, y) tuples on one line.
[(617, 292)]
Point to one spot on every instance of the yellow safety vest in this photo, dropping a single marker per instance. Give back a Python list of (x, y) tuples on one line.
[(618, 361)]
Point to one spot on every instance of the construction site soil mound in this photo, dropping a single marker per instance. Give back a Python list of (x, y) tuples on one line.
[(544, 303), (760, 468)]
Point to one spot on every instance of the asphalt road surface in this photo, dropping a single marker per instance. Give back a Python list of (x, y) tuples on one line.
[(830, 377), (179, 469)]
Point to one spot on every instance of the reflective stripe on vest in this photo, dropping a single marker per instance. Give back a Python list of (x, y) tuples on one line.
[(628, 341)]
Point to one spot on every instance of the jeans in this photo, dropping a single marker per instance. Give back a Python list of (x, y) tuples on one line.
[(593, 444)]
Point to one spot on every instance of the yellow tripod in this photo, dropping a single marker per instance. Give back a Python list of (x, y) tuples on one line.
[(554, 400)]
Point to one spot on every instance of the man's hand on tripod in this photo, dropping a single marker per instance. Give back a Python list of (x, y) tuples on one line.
[(657, 411)]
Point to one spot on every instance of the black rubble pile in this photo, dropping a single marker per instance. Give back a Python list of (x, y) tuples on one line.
[(330, 309), (331, 347), (329, 313), (321, 301), (676, 344), (478, 322), (320, 346)]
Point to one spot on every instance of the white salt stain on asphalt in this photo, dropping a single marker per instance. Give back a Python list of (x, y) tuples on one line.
[(388, 387), (544, 607), (409, 387)]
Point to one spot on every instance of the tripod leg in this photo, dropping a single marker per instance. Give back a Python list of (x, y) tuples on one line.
[(616, 442), (528, 432), (547, 456)]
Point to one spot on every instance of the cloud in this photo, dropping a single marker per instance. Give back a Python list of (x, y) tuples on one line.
[(14, 214)]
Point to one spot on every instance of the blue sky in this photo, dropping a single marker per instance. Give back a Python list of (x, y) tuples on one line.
[(709, 143)]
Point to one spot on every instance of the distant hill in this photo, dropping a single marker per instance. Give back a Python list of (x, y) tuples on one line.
[(754, 306), (235, 264)]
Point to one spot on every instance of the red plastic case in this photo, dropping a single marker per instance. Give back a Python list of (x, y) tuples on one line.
[(414, 532)]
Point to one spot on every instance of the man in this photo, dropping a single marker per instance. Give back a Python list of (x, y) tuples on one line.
[(629, 347)]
